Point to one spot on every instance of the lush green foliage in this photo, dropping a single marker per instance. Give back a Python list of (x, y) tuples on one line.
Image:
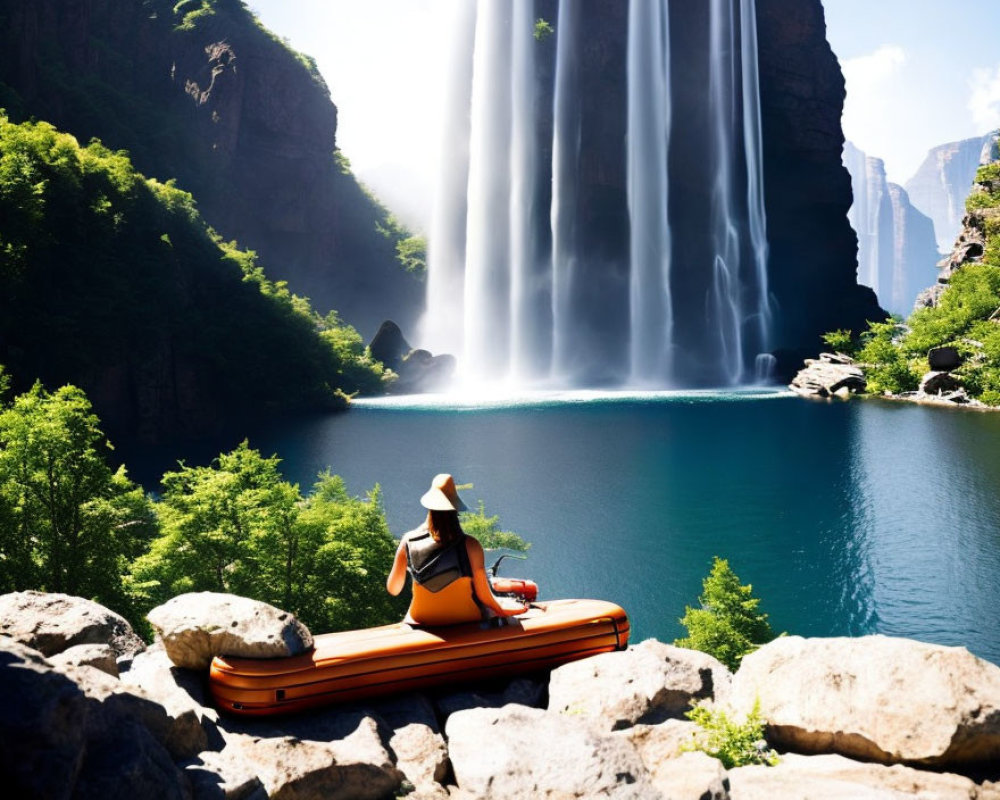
[(966, 317), (543, 29), (987, 194), (886, 366), (68, 522), (101, 267), (735, 744), (840, 341), (487, 530), (412, 253), (727, 625), (236, 526)]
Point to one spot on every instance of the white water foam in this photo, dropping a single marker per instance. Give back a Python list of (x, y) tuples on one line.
[(509, 398)]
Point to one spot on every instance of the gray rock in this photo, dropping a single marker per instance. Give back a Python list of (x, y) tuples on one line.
[(943, 359), (179, 729), (939, 383), (99, 656), (416, 739), (833, 777), (357, 767), (647, 683), (829, 375), (223, 776), (518, 751), (59, 741), (875, 698), (197, 626), (522, 691), (692, 776), (673, 768), (42, 717), (51, 622)]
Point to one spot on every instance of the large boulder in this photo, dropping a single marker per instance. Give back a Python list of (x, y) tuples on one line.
[(832, 374), (356, 767), (516, 751), (939, 383), (833, 777), (675, 770), (60, 737), (647, 683), (197, 626), (874, 698), (99, 656), (42, 716), (944, 359), (50, 623)]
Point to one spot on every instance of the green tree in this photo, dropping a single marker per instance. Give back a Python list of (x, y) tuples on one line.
[(840, 341), (886, 365), (237, 526), (487, 530), (727, 625), (412, 254), (68, 522)]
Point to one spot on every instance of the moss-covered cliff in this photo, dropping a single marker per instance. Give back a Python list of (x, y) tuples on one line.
[(198, 91), (115, 283)]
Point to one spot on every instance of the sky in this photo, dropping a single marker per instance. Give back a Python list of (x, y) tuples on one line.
[(919, 73)]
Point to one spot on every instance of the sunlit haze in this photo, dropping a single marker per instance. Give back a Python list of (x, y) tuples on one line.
[(919, 73)]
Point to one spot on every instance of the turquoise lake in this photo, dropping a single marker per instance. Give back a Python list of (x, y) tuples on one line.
[(847, 518)]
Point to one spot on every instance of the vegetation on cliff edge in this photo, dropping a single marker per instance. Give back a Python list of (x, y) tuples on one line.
[(106, 276), (894, 354)]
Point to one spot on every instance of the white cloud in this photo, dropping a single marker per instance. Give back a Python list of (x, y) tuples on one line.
[(984, 98), (875, 67), (879, 108)]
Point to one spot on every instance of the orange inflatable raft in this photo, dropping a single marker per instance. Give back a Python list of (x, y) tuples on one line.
[(353, 665)]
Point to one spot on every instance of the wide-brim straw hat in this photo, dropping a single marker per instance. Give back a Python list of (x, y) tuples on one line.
[(443, 496)]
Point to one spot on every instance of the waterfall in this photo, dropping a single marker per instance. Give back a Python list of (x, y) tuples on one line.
[(565, 172), (487, 274), (649, 228), (524, 323), (722, 307), (760, 298), (557, 258), (442, 324), (738, 303)]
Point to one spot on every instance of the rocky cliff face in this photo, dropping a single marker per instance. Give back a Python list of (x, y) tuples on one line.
[(201, 93), (943, 181), (807, 189), (896, 245)]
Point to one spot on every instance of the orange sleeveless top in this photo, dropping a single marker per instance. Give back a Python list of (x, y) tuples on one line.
[(452, 604)]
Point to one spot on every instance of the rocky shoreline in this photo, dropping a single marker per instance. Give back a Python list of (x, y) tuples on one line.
[(86, 710), (836, 375)]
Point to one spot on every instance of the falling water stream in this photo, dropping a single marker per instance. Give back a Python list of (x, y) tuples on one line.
[(487, 267)]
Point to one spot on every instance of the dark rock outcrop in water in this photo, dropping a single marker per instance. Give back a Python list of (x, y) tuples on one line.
[(417, 370), (613, 726), (212, 99)]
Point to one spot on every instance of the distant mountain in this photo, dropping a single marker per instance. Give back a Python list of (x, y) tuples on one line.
[(943, 181), (897, 250)]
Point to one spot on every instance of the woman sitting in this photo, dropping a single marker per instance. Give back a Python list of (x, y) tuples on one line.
[(450, 584)]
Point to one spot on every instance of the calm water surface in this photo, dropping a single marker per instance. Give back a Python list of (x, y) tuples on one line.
[(847, 518)]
